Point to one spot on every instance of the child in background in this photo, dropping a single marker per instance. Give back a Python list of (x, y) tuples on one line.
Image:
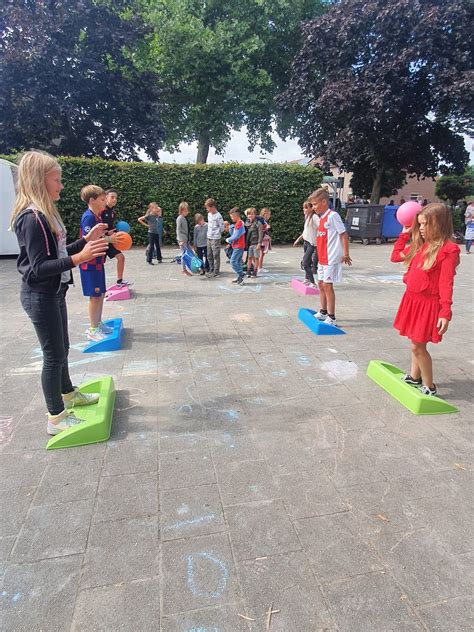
[(200, 241), (253, 241), (92, 272), (109, 216), (332, 245), (310, 258), (45, 263), (425, 309), (152, 220), (215, 226), (266, 214), (182, 233), (469, 222), (237, 241), (228, 248)]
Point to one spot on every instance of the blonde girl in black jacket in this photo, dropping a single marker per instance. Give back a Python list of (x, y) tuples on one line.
[(45, 263)]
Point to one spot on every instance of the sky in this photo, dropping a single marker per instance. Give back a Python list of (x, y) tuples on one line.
[(237, 150)]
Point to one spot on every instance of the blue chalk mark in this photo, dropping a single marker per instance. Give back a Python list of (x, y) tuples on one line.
[(201, 629), (228, 439), (276, 313), (232, 414), (281, 373), (185, 409), (191, 579), (303, 361), (192, 521), (16, 597)]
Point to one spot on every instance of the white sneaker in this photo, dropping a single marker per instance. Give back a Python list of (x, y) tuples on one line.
[(76, 398), (124, 283), (330, 321), (95, 335), (306, 282), (63, 421), (313, 285), (320, 316), (105, 329)]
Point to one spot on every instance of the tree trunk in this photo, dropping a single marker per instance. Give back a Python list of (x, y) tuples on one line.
[(203, 148), (377, 186)]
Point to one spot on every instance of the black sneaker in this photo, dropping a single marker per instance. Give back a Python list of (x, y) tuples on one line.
[(408, 379), (240, 280), (426, 390), (217, 274), (150, 263)]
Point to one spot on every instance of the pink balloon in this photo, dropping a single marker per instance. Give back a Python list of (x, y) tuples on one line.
[(407, 212)]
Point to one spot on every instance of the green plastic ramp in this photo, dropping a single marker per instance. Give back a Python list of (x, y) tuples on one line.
[(97, 418), (390, 379)]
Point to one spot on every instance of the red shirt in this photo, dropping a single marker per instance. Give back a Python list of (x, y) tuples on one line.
[(240, 242)]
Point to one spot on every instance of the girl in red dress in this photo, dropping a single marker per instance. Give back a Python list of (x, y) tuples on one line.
[(425, 309)]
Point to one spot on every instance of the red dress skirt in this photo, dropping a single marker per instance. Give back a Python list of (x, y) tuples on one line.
[(417, 317)]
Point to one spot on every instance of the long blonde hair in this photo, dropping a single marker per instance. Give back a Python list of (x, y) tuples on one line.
[(31, 188), (439, 230)]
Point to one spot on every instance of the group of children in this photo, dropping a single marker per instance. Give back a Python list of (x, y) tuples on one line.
[(250, 236), (46, 260)]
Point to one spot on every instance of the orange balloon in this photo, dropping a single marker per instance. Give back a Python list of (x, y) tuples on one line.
[(122, 241)]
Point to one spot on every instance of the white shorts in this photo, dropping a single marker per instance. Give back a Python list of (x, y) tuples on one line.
[(330, 273)]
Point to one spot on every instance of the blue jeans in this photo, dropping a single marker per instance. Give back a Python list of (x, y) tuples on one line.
[(236, 261)]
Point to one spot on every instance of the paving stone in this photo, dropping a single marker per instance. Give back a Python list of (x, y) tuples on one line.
[(287, 583), (191, 511), (22, 469), (449, 614), (130, 457), (259, 529), (77, 481), (181, 442), (305, 494), (40, 595), (332, 548), (419, 562), (186, 469), (350, 467), (126, 606), (14, 504), (233, 445), (127, 496), (371, 602), (245, 481), (198, 572), (121, 550), (224, 619), (53, 531)]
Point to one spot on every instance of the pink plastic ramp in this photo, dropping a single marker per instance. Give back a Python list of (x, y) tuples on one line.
[(115, 293), (303, 289)]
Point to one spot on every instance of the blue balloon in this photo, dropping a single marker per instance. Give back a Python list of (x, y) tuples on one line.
[(123, 226)]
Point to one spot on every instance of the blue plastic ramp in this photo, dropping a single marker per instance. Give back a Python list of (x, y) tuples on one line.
[(317, 327), (112, 342)]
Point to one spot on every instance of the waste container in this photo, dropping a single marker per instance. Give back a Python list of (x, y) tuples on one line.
[(364, 222), (391, 227)]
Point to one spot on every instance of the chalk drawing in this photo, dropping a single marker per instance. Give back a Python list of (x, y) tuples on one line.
[(228, 440), (267, 359), (277, 313), (232, 414), (221, 584), (192, 521), (332, 350), (6, 429), (140, 367), (241, 289), (36, 367), (342, 369), (201, 629), (210, 377), (184, 509), (303, 360), (280, 373), (185, 409), (241, 318)]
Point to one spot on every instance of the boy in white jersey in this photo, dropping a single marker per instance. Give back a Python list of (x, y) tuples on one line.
[(332, 245)]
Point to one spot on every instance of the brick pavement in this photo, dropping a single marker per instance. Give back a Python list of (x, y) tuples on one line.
[(251, 465)]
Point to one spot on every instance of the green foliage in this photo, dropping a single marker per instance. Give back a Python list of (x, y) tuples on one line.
[(220, 64), (280, 187), (385, 84), (454, 188)]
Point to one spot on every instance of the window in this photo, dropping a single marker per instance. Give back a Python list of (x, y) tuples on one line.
[(414, 196)]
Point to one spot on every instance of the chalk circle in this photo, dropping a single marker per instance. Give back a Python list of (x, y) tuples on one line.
[(222, 583)]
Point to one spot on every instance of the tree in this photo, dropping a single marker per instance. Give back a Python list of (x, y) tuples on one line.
[(385, 85), (454, 187), (221, 64), (362, 181), (69, 84)]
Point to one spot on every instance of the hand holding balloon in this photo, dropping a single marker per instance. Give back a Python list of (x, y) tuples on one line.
[(121, 240), (407, 212)]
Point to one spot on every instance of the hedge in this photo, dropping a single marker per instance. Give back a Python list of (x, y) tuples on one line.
[(281, 187)]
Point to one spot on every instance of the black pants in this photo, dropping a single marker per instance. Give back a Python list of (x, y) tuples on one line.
[(310, 261), (202, 254), (48, 313), (154, 243)]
